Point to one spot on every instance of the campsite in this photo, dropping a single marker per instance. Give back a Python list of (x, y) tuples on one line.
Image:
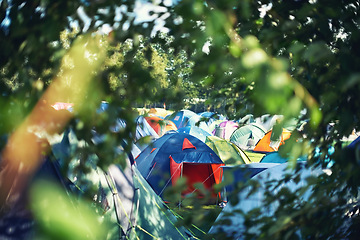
[(180, 119)]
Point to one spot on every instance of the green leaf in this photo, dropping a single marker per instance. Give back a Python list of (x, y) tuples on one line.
[(317, 52), (254, 58)]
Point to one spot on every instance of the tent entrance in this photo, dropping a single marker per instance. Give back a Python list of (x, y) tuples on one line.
[(198, 173), (205, 173)]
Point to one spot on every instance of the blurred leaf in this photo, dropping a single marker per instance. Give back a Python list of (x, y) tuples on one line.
[(254, 58), (60, 216), (317, 52)]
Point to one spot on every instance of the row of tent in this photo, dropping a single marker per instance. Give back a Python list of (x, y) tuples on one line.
[(210, 150), (125, 197), (244, 135), (199, 147)]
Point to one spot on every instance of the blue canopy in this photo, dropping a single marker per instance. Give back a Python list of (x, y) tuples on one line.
[(166, 156), (195, 131)]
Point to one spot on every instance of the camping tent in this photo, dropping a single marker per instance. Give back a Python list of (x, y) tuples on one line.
[(195, 131), (179, 154), (144, 129), (275, 157), (184, 118), (225, 129), (134, 210), (234, 174), (267, 144), (137, 211), (247, 136), (214, 124), (17, 221), (160, 125), (144, 134), (181, 118), (247, 119), (268, 121), (228, 152), (251, 199), (211, 117)]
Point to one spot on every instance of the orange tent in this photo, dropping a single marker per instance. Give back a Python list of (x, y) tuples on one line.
[(160, 125), (267, 145)]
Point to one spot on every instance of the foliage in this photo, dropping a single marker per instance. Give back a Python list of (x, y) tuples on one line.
[(276, 57)]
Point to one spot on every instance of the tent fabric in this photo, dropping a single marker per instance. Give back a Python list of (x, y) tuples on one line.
[(214, 124), (17, 221), (184, 118), (267, 179), (195, 173), (247, 136), (139, 211), (249, 118), (225, 129), (144, 129), (233, 174), (195, 131), (207, 114), (181, 118), (255, 157), (275, 157), (210, 117), (268, 121), (160, 125), (187, 144), (228, 152), (268, 145), (354, 144), (134, 210), (197, 121), (158, 166)]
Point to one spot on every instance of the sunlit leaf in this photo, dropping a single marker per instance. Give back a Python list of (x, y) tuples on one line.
[(61, 216)]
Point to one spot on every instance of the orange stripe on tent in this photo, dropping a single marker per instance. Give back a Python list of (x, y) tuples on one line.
[(187, 144), (153, 150)]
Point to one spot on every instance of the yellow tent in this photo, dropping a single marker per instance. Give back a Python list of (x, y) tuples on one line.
[(228, 152)]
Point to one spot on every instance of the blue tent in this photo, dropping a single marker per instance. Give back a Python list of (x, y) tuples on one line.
[(242, 173), (210, 117), (181, 118), (274, 157), (207, 114), (175, 155), (354, 144), (196, 132), (184, 118)]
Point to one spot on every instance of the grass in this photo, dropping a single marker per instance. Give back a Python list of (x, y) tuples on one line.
[(198, 219)]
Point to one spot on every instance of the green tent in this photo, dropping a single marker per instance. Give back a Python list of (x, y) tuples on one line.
[(125, 200), (134, 209), (228, 152)]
